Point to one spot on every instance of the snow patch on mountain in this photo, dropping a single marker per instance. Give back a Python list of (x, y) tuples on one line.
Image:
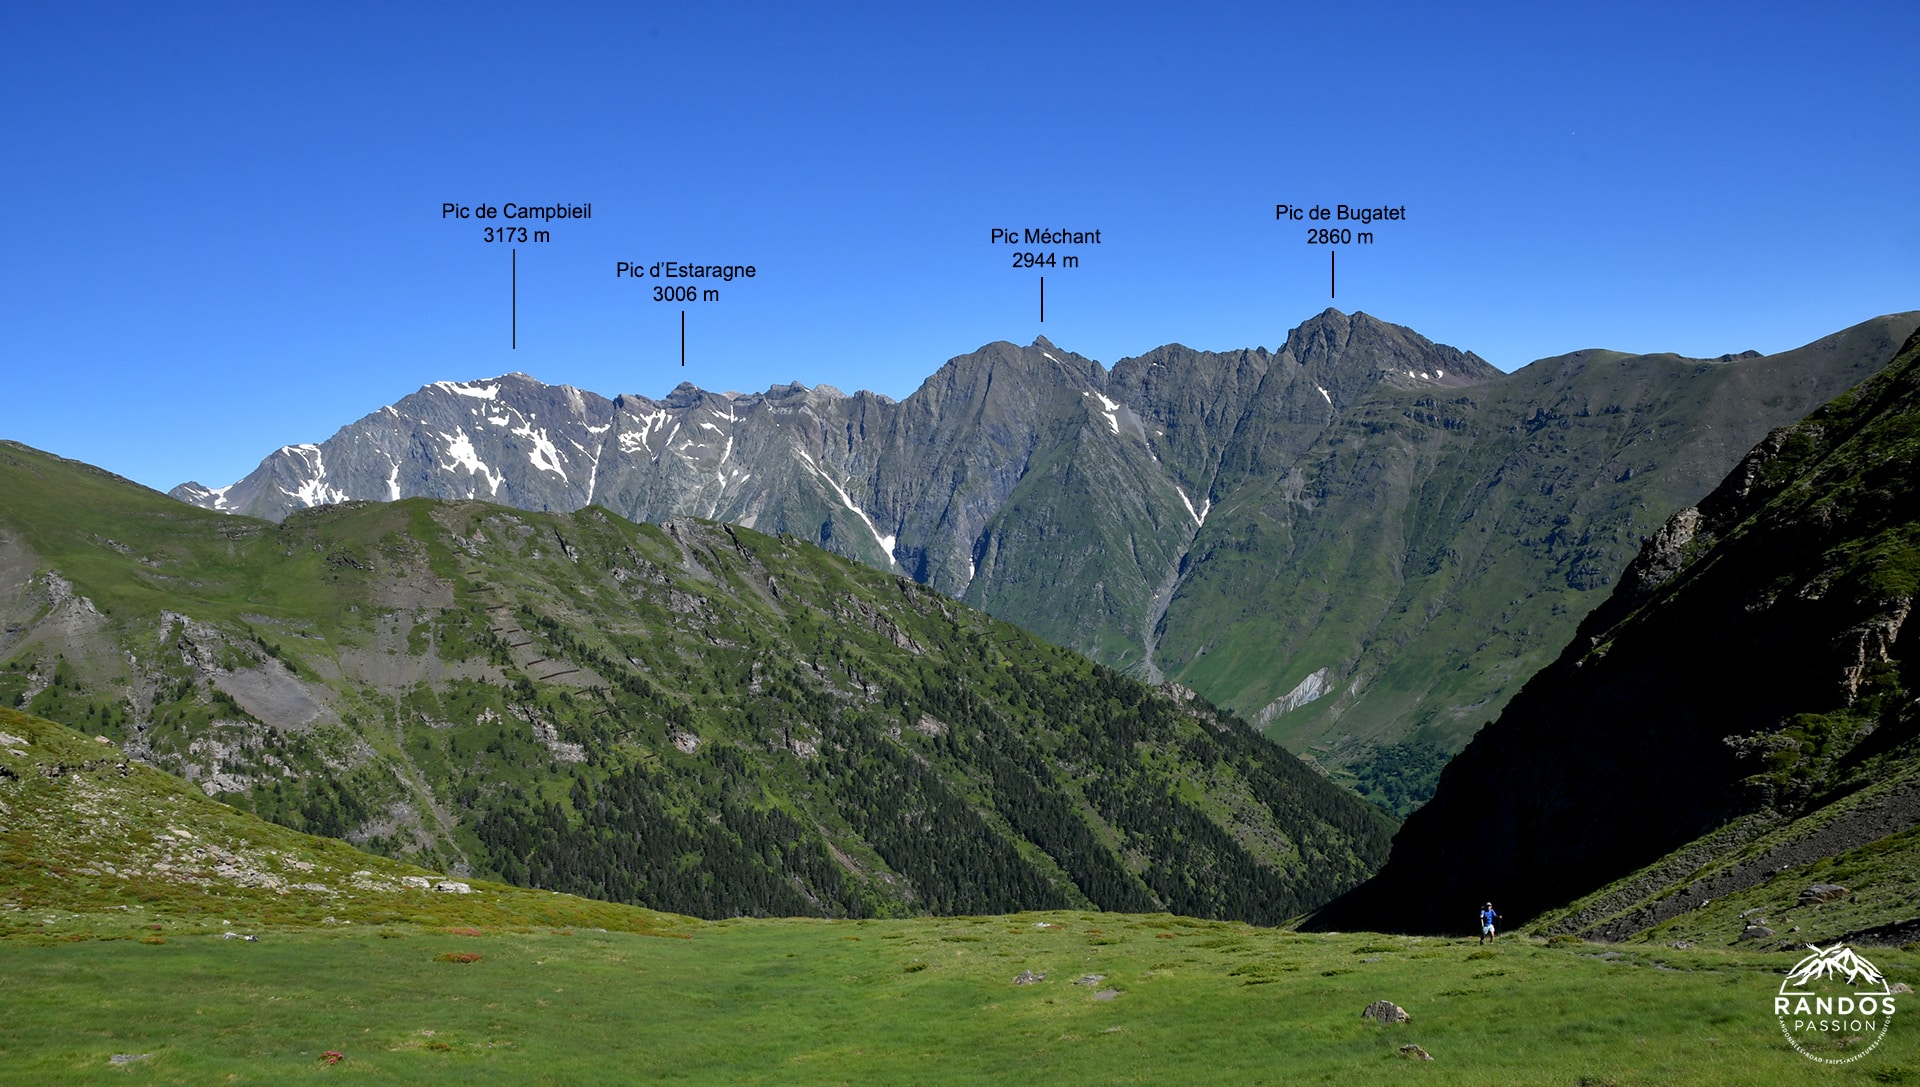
[(1199, 516), (478, 392), (544, 455), (315, 491), (460, 449), (886, 542), (1111, 409)]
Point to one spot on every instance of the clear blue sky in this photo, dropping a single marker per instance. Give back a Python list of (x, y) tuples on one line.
[(224, 233)]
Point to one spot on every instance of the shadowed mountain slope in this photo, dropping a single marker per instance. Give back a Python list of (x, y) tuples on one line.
[(1741, 707)]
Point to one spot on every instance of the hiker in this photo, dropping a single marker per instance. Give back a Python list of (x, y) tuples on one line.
[(1487, 918)]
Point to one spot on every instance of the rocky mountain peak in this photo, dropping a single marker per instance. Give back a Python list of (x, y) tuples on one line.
[(684, 395), (1340, 351)]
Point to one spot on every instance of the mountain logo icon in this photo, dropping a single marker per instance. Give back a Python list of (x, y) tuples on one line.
[(1834, 1006)]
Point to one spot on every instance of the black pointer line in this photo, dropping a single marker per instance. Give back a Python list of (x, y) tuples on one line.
[(516, 299)]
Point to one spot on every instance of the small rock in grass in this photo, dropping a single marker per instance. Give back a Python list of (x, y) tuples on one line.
[(1386, 1011), (1822, 892), (127, 1058), (1028, 977), (1106, 994), (1089, 979), (1414, 1052)]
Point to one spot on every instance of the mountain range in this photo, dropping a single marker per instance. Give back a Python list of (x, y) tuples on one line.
[(701, 717), (1362, 541)]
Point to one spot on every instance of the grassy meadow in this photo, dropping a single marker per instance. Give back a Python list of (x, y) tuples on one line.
[(125, 894), (921, 1001)]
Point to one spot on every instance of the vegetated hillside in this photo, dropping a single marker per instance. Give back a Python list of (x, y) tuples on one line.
[(1738, 721), (95, 843), (1362, 540), (1403, 578), (693, 717)]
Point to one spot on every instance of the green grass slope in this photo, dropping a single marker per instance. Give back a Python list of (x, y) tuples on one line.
[(1749, 883), (693, 717), (126, 896), (94, 844), (924, 1001)]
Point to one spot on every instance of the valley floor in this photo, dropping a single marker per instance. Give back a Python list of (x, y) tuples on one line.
[(1125, 999)]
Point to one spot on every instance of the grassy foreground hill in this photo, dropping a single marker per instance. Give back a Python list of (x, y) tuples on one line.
[(923, 1001), (126, 897), (693, 717), (94, 844)]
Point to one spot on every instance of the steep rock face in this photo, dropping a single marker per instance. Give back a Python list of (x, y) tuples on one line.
[(1755, 667), (1390, 514)]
